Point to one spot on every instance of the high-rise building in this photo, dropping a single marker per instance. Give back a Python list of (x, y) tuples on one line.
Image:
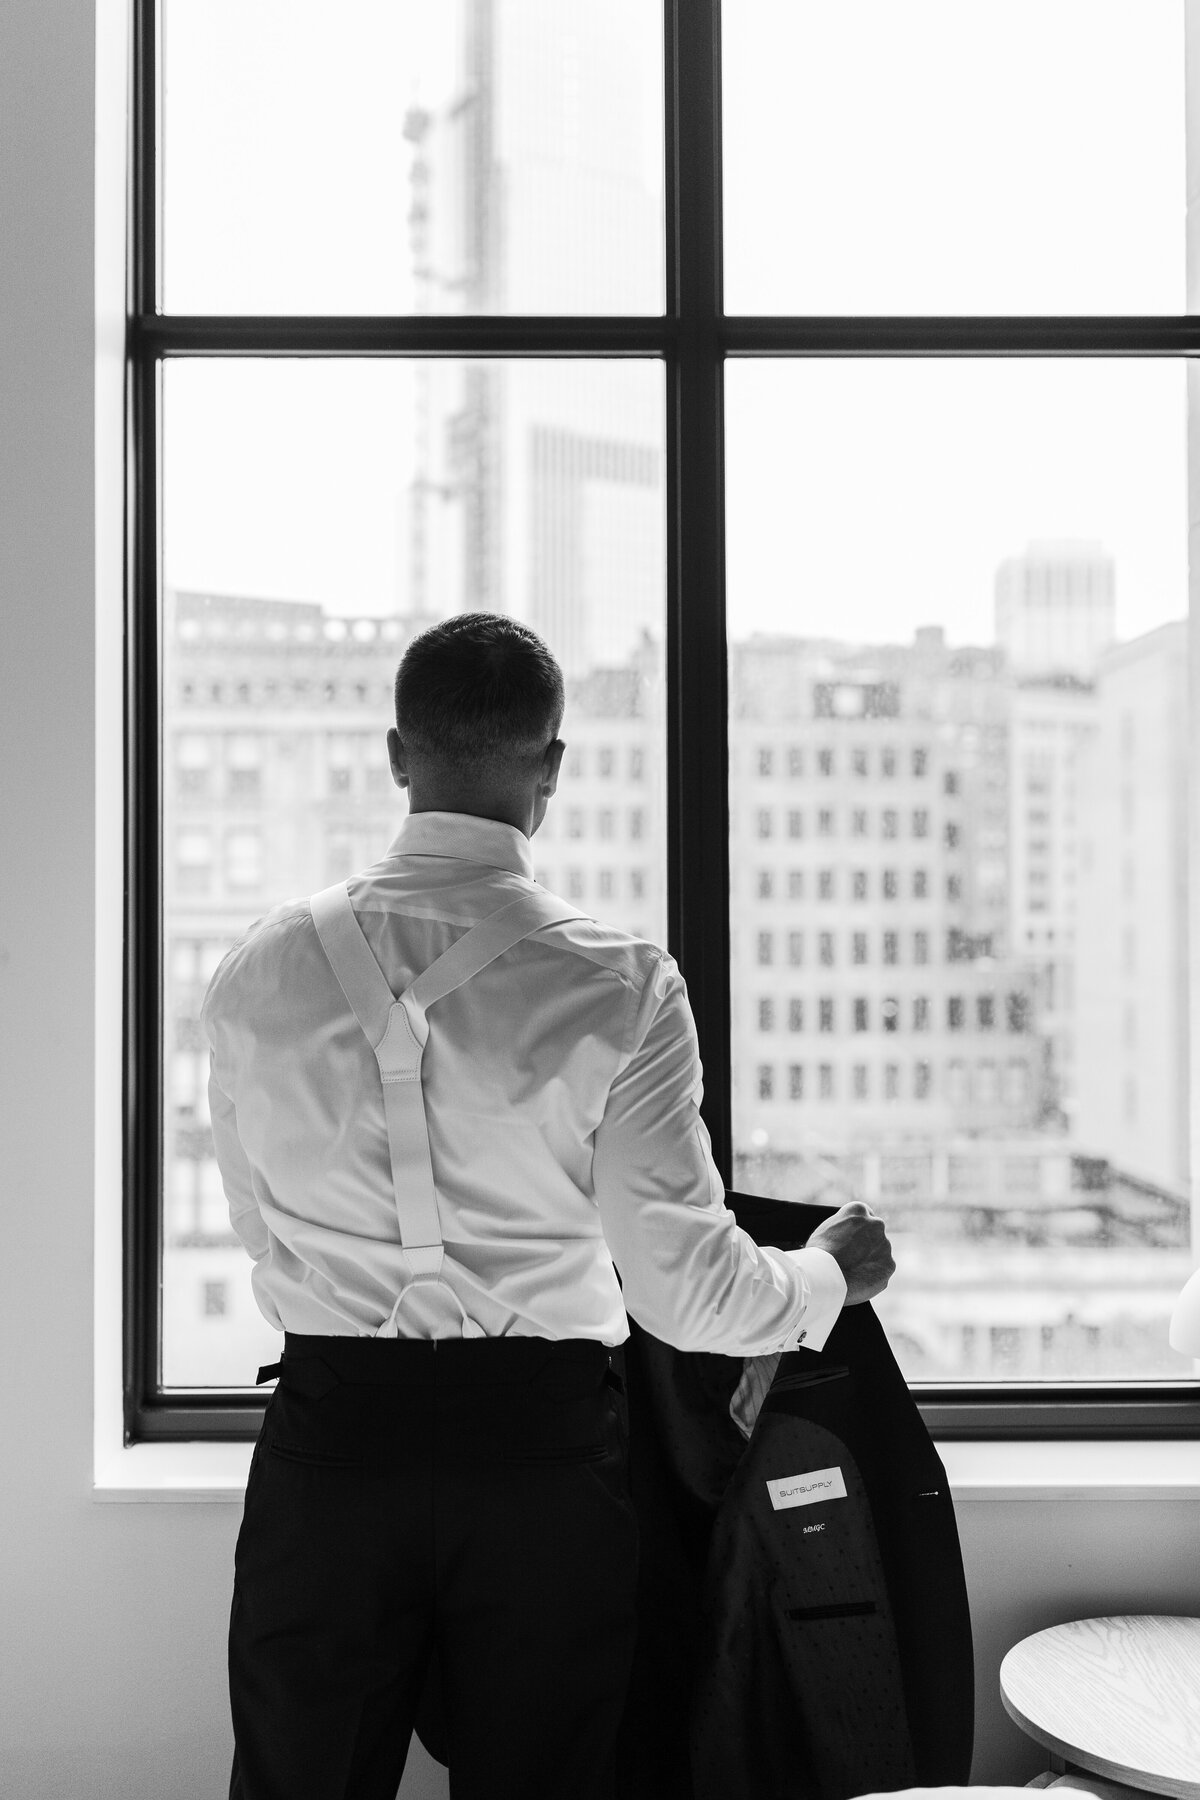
[(1053, 720), (538, 487), (877, 1004), (1133, 1058), (1054, 614), (1055, 609)]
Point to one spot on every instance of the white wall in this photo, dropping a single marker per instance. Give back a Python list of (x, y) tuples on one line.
[(1033, 1563), (112, 1616)]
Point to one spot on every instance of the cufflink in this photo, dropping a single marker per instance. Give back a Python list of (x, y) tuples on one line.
[(802, 1337)]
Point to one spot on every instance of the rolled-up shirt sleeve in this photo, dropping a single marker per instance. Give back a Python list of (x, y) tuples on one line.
[(236, 1174), (689, 1274)]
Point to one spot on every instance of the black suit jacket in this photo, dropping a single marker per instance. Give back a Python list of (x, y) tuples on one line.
[(809, 1651), (776, 1661)]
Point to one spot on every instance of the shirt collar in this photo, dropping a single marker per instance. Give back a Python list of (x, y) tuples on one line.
[(466, 837)]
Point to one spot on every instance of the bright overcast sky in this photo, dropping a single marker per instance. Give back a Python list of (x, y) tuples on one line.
[(935, 156)]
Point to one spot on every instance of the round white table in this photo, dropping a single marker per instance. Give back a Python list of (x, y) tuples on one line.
[(1119, 1698)]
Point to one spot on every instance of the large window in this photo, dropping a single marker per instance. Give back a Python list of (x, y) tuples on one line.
[(870, 590)]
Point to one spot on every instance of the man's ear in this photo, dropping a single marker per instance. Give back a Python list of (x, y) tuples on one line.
[(551, 764), (398, 757)]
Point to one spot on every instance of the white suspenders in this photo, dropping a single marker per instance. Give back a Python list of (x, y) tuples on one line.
[(397, 1031)]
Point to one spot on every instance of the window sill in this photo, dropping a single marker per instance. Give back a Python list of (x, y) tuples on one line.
[(196, 1471), (1020, 1470), (1117, 1469)]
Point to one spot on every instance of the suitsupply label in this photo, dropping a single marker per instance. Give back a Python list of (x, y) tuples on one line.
[(808, 1489)]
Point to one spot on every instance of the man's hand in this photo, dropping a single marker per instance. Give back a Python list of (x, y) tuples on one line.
[(858, 1243)]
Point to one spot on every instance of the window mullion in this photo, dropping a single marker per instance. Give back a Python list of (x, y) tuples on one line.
[(361, 335), (948, 336), (698, 805), (143, 285), (143, 903)]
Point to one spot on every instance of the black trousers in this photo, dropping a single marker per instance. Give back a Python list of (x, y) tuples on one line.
[(460, 1506)]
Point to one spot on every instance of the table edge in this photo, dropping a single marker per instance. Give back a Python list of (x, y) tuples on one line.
[(1087, 1761)]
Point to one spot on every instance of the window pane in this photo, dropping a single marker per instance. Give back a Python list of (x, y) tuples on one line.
[(946, 158), (973, 574), (315, 514), (388, 156)]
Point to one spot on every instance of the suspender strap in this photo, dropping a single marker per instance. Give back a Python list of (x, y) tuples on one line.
[(476, 948), (397, 1031)]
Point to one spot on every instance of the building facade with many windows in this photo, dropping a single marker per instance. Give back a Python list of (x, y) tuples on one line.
[(877, 996)]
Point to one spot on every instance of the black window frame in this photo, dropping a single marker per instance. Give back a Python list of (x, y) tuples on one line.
[(693, 338)]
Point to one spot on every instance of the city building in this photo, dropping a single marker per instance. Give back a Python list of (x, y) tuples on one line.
[(1053, 719), (602, 841), (275, 782), (1132, 955), (1055, 608), (1054, 619), (876, 1001)]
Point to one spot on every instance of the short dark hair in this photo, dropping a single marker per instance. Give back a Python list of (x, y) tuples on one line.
[(478, 689)]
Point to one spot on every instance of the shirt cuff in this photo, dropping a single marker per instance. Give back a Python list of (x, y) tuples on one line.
[(826, 1297)]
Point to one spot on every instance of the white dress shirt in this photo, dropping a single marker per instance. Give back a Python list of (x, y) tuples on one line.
[(562, 1088)]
